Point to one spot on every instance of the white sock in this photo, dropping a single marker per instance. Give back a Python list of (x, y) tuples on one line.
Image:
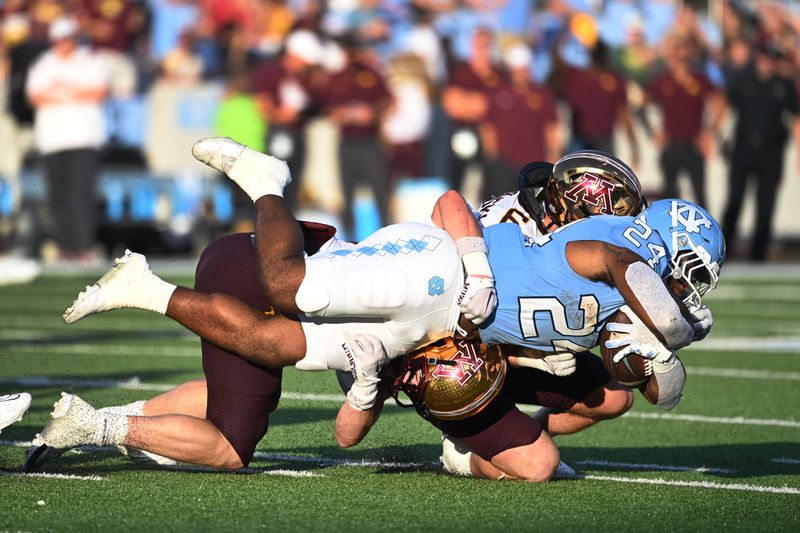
[(153, 294), (129, 409), (111, 430), (257, 179)]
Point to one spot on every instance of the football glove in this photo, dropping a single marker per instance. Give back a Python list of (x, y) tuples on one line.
[(368, 356), (558, 364), (638, 339), (478, 298), (702, 320)]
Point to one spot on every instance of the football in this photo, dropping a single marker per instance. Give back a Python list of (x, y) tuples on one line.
[(633, 370)]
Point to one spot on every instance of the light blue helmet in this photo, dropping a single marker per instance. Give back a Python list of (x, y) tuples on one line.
[(694, 242)]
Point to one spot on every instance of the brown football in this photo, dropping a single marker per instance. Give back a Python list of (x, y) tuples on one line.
[(633, 370)]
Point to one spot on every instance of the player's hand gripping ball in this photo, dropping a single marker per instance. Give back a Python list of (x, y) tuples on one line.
[(634, 369)]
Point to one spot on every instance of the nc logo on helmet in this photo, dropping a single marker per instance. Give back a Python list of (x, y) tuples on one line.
[(594, 190), (689, 216)]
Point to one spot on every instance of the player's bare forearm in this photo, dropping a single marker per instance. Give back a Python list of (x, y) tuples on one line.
[(452, 214), (638, 284), (352, 424)]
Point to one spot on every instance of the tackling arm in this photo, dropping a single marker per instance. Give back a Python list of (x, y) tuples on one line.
[(639, 285), (478, 298)]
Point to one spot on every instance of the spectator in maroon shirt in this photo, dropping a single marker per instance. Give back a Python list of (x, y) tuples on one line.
[(356, 97), (683, 93), (598, 101), (112, 24), (465, 101), (521, 125), (286, 95)]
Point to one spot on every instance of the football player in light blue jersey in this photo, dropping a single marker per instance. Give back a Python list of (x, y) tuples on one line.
[(556, 291), (280, 341)]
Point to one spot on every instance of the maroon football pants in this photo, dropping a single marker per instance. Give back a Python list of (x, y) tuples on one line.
[(241, 395)]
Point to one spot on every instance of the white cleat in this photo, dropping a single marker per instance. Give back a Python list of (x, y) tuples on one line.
[(256, 173), (74, 423), (12, 407), (143, 457), (565, 471), (455, 457), (115, 290)]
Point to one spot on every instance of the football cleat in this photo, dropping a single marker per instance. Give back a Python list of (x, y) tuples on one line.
[(39, 454), (564, 471), (118, 288), (12, 407), (74, 423), (143, 457), (455, 457), (256, 173)]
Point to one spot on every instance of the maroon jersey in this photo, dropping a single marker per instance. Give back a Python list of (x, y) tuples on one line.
[(519, 116), (358, 84), (465, 78), (112, 21), (681, 103), (284, 88), (594, 96)]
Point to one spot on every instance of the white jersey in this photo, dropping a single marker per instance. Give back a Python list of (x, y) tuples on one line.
[(400, 284), (506, 208)]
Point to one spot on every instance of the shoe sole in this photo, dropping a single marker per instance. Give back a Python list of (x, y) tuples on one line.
[(31, 463)]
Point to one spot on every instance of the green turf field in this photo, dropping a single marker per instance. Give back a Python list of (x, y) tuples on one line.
[(728, 458)]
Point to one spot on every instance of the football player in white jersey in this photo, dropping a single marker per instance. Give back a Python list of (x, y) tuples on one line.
[(159, 294)]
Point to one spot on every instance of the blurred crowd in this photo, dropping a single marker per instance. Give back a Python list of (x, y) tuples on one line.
[(391, 92)]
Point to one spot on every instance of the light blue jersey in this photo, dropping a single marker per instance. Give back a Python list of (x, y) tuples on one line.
[(542, 303)]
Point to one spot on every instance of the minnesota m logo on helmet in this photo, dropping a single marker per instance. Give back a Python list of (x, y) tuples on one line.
[(593, 190), (466, 364)]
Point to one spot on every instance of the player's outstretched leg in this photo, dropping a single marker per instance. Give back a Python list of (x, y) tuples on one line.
[(279, 237), (256, 173), (129, 284)]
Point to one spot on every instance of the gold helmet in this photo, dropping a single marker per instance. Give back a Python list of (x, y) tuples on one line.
[(590, 182), (451, 380)]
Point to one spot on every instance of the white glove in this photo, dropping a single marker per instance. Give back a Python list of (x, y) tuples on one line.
[(559, 364), (701, 323), (367, 355), (639, 339), (478, 298)]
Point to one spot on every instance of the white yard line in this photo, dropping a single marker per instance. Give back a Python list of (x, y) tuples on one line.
[(742, 373), (43, 381), (654, 466), (697, 484), (50, 476), (135, 384), (109, 350), (785, 461), (763, 345), (748, 344), (329, 461), (736, 420)]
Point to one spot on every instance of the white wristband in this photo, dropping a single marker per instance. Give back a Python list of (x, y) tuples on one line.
[(467, 245)]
